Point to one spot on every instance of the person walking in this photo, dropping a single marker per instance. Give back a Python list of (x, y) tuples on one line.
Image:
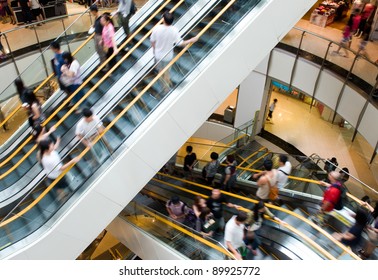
[(234, 235), (271, 109), (36, 10), (211, 169), (267, 180), (163, 38), (189, 162), (58, 62), (26, 14), (229, 176), (124, 14), (98, 33), (284, 171), (108, 40)]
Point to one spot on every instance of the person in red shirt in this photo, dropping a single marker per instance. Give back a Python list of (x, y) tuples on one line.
[(330, 197)]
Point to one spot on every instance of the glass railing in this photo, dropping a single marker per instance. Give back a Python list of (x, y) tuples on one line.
[(150, 91), (179, 237), (350, 64)]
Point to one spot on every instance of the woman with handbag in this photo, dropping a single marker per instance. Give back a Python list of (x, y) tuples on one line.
[(108, 39)]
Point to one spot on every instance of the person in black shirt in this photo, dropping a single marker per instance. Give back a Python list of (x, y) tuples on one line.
[(98, 34), (26, 13), (215, 204), (189, 162)]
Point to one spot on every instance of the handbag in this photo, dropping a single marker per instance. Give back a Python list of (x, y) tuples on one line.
[(273, 191)]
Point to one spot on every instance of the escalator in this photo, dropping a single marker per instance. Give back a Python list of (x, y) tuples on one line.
[(100, 190), (22, 169), (293, 213)]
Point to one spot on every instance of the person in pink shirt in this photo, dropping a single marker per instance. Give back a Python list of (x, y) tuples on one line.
[(108, 39), (345, 41)]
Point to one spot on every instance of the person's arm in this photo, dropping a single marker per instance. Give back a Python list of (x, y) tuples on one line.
[(56, 145), (347, 236), (271, 215), (36, 112), (324, 184), (72, 161), (184, 43), (258, 175), (196, 211), (233, 250), (114, 43), (194, 162), (325, 205), (231, 205), (85, 141)]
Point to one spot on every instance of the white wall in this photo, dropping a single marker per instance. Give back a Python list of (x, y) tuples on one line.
[(213, 131), (167, 128)]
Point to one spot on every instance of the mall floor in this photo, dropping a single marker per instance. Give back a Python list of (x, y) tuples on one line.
[(306, 131)]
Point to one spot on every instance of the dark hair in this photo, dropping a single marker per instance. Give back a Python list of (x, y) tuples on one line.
[(175, 199), (214, 156), (107, 18), (241, 217), (275, 100), (268, 164), (168, 18), (67, 56), (44, 145), (197, 200), (87, 112), (366, 198), (230, 158), (333, 160), (93, 8), (19, 85), (250, 236), (375, 211), (55, 45), (256, 209), (31, 98), (189, 149), (283, 158), (204, 212)]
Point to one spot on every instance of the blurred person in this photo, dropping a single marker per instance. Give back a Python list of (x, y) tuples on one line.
[(372, 233), (266, 180), (124, 14), (331, 196), (331, 164), (176, 209), (211, 169), (199, 204), (58, 62), (163, 38), (71, 78), (234, 234), (36, 10), (8, 12), (206, 222), (53, 166), (189, 161), (35, 114), (271, 109), (26, 13), (215, 204), (344, 175), (98, 33), (284, 171), (345, 41), (229, 176), (24, 93), (108, 40)]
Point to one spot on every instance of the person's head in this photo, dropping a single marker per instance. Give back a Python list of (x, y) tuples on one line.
[(214, 156), (333, 176), (67, 57), (275, 100), (250, 236), (268, 164), (94, 10), (199, 201), (282, 160), (105, 19), (258, 210), (87, 114), (55, 47), (168, 18), (366, 199), (241, 217), (333, 160), (189, 149), (204, 213), (45, 146), (19, 84), (175, 200), (230, 159), (215, 193)]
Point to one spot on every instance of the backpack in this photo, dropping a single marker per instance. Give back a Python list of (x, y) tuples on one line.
[(133, 8), (342, 198)]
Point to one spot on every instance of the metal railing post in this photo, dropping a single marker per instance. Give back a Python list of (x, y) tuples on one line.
[(12, 56), (296, 60)]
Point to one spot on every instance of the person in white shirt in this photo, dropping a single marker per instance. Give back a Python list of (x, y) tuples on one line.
[(163, 38), (234, 234), (53, 166), (271, 109), (71, 77), (87, 129), (284, 171), (124, 14)]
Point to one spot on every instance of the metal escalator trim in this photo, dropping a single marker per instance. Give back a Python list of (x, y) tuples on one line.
[(303, 219), (187, 232), (289, 227), (274, 256), (7, 220), (212, 145), (255, 161), (251, 155), (68, 99)]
